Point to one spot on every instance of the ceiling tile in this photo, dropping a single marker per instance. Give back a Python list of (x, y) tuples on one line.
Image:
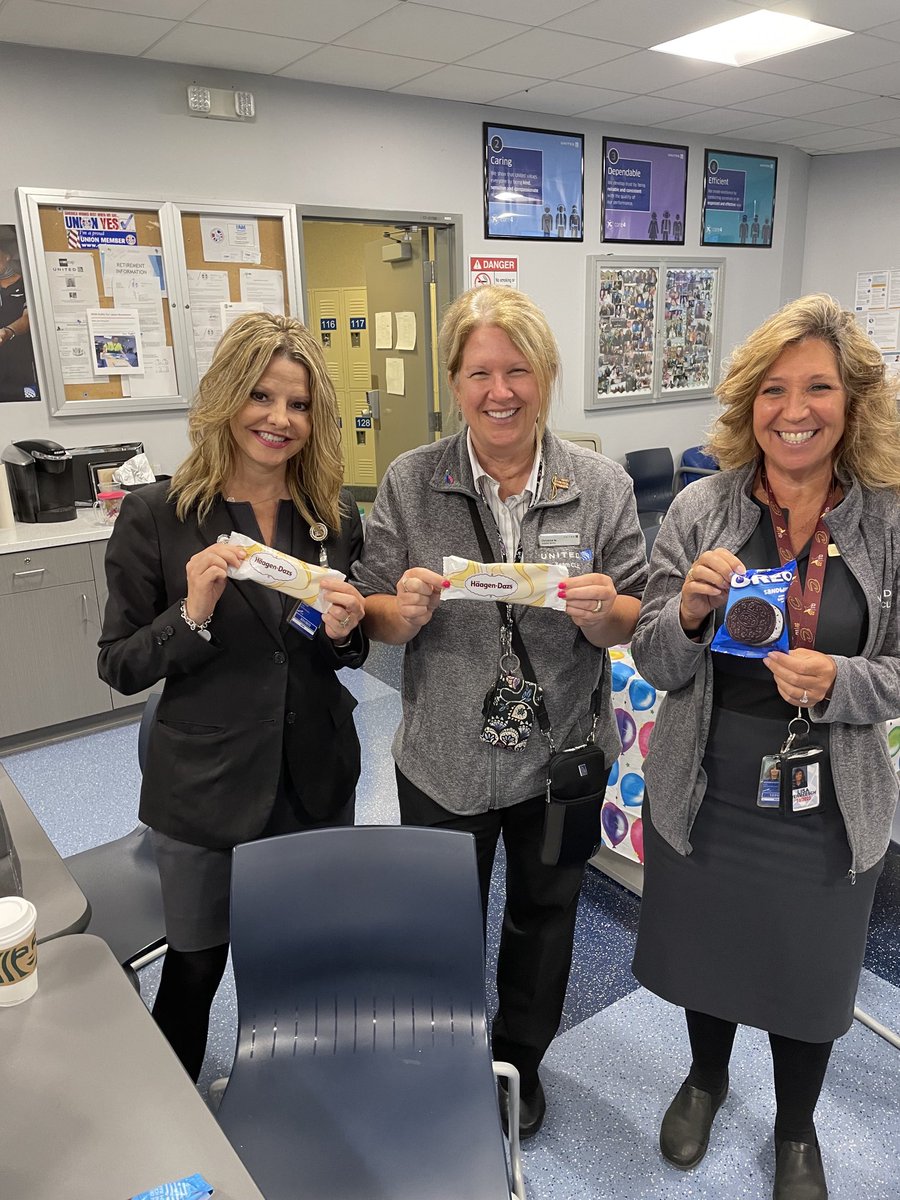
[(35, 23), (881, 81), (785, 130), (465, 83), (811, 98), (891, 31), (859, 15), (643, 71), (866, 113), (545, 54), (287, 18), (530, 12), (356, 68), (645, 22), (642, 110), (713, 120), (824, 63), (891, 127), (838, 138), (420, 32), (174, 10), (203, 46), (563, 98), (734, 85)]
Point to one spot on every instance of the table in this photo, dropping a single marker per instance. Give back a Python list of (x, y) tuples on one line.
[(61, 905), (96, 1105)]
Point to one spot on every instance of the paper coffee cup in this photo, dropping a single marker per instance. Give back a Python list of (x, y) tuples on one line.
[(18, 950)]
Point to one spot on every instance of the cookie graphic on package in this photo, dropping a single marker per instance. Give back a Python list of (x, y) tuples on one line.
[(754, 621)]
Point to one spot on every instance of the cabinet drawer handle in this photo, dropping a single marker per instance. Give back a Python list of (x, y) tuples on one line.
[(84, 610), (26, 574)]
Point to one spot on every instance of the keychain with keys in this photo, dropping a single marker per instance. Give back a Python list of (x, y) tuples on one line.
[(798, 764), (510, 705)]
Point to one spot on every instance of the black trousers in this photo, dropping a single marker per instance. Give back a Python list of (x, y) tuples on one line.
[(538, 921)]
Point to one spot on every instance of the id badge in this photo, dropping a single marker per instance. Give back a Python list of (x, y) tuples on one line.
[(509, 712), (305, 619), (799, 765), (769, 792)]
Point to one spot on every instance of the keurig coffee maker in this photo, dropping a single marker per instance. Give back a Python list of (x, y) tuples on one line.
[(39, 473)]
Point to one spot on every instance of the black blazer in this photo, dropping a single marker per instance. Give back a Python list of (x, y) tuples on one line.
[(232, 707)]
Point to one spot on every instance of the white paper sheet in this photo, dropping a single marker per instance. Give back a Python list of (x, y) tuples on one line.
[(406, 330), (73, 281), (395, 376), (115, 336), (384, 331), (150, 256), (74, 347), (228, 240), (264, 289), (159, 374), (134, 285), (233, 309)]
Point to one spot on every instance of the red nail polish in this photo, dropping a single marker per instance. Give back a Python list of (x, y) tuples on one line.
[(445, 583)]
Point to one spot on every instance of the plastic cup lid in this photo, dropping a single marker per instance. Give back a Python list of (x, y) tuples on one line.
[(17, 915), (110, 495)]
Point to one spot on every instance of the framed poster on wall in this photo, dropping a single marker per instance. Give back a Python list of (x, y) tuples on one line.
[(653, 329), (738, 199), (533, 183), (643, 192)]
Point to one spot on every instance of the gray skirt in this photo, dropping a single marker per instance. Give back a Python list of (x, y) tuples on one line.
[(760, 924)]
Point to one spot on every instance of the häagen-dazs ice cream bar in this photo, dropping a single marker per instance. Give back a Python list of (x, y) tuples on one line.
[(514, 583), (273, 569)]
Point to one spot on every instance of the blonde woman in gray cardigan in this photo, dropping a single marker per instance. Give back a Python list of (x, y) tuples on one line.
[(756, 914)]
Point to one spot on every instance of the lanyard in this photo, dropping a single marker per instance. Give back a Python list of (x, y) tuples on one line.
[(803, 618)]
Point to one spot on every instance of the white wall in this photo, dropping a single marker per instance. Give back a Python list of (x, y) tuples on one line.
[(101, 123), (852, 220)]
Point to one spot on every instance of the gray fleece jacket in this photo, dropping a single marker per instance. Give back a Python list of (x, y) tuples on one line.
[(718, 511), (421, 514)]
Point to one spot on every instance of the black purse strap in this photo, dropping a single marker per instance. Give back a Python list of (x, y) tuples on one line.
[(518, 645)]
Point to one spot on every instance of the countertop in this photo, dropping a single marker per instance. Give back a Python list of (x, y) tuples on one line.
[(35, 536)]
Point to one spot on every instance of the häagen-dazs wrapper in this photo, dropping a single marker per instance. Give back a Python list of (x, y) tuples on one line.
[(273, 569), (534, 584)]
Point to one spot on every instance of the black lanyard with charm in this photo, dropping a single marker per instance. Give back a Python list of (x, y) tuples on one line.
[(512, 703)]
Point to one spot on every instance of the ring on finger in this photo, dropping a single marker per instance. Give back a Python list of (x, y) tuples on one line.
[(690, 574), (804, 699), (598, 607), (344, 621)]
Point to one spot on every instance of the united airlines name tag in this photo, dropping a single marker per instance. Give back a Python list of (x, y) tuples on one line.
[(559, 539)]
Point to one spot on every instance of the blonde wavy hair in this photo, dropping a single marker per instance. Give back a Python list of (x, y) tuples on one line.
[(870, 446), (314, 476), (522, 322)]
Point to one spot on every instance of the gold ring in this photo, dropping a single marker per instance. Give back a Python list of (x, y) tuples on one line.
[(598, 607), (690, 574), (344, 622)]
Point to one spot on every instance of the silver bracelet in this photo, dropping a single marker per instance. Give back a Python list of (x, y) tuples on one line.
[(198, 627)]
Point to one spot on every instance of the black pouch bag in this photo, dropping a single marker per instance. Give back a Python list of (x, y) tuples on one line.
[(576, 787)]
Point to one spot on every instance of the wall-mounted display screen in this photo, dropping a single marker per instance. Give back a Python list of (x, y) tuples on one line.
[(533, 184), (738, 199), (644, 192)]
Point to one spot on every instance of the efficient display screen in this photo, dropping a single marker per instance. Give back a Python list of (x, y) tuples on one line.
[(738, 199)]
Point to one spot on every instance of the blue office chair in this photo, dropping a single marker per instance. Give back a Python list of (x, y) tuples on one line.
[(694, 465), (653, 475), (121, 882), (362, 1069)]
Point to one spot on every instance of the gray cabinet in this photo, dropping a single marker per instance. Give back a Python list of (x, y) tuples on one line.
[(98, 555), (49, 625)]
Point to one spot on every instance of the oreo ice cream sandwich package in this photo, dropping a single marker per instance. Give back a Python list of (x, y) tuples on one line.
[(755, 621)]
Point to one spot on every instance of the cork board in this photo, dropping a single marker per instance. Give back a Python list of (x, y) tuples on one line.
[(56, 240), (271, 252)]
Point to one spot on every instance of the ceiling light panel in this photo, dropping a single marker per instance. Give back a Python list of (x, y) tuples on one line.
[(753, 38)]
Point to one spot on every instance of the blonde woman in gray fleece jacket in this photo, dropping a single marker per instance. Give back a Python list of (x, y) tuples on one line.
[(538, 499), (752, 913)]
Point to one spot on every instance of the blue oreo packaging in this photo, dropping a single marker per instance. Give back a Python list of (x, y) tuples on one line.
[(755, 622)]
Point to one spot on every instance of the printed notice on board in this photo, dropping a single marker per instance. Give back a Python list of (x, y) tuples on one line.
[(115, 337), (228, 240), (264, 289), (406, 330), (87, 230)]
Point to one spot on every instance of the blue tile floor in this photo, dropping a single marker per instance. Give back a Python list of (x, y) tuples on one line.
[(621, 1052)]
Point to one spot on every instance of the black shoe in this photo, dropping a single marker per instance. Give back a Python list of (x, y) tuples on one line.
[(531, 1110), (799, 1174), (684, 1133)]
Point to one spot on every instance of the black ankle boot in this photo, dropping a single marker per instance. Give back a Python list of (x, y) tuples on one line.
[(799, 1174), (684, 1133)]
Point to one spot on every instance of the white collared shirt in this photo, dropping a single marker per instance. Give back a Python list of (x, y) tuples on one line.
[(507, 513)]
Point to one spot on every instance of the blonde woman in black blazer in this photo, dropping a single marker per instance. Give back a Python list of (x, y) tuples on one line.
[(253, 734)]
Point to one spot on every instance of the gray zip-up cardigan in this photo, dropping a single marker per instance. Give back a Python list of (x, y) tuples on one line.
[(718, 511), (421, 514)]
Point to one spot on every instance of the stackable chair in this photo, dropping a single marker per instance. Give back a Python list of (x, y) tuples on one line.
[(653, 475), (121, 883), (694, 465), (362, 1069)]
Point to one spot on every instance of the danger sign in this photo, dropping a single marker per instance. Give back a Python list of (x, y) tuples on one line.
[(501, 272)]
